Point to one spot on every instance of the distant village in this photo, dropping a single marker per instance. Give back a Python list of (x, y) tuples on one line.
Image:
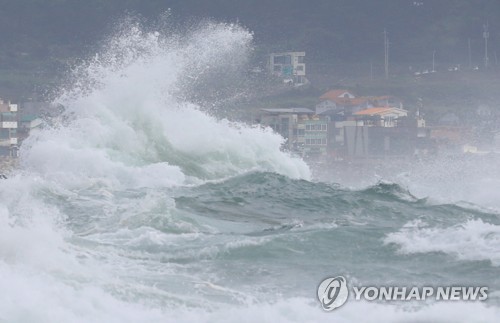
[(342, 126)]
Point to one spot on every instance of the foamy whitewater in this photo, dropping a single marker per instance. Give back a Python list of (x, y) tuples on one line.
[(140, 206)]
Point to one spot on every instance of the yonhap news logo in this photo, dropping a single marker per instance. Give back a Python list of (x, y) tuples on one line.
[(334, 292)]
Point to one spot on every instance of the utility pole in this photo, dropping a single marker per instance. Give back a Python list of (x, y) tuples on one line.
[(433, 61), (470, 55), (371, 70), (386, 50), (486, 35)]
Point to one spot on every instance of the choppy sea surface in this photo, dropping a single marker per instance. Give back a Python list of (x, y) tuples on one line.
[(139, 206)]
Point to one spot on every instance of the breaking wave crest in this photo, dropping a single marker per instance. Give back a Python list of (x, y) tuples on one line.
[(140, 205), (128, 120), (473, 240)]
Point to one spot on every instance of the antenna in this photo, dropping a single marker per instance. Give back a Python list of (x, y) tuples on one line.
[(486, 35)]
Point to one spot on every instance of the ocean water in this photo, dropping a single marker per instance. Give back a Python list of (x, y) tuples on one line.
[(140, 206)]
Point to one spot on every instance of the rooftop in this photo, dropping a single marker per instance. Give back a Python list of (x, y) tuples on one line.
[(339, 111), (335, 94), (379, 111), (289, 110)]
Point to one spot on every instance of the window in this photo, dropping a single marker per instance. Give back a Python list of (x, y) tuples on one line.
[(284, 125), (282, 59), (301, 59), (323, 127), (4, 133), (300, 68), (287, 70), (8, 117)]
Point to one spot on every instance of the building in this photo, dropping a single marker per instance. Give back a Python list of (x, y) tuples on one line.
[(333, 99), (315, 136), (346, 127), (290, 66), (381, 116), (336, 120), (288, 122), (383, 132), (346, 100), (373, 141), (304, 132), (8, 129)]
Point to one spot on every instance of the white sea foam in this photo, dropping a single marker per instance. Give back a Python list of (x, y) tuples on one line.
[(127, 120), (127, 127), (464, 178), (70, 304), (472, 240)]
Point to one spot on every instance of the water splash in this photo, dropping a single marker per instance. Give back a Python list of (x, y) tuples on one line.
[(128, 119)]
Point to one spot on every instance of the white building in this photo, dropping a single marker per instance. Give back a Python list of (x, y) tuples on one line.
[(290, 66), (381, 116), (8, 129)]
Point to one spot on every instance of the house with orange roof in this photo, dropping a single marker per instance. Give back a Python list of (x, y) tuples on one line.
[(384, 131), (380, 116), (344, 99), (345, 127)]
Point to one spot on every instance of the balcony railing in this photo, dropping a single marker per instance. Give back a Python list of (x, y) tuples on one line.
[(7, 142)]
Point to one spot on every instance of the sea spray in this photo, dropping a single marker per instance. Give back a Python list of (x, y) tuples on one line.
[(126, 112), (141, 206)]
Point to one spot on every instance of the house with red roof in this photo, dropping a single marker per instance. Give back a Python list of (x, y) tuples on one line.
[(334, 99)]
